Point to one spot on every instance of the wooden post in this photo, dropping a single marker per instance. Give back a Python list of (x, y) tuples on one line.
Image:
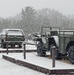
[(7, 47), (53, 56), (24, 51)]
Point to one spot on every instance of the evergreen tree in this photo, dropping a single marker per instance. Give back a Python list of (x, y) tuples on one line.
[(28, 18)]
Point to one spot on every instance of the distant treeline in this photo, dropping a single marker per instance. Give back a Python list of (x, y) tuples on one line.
[(31, 20)]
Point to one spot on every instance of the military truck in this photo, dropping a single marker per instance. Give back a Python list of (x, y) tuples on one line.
[(61, 38)]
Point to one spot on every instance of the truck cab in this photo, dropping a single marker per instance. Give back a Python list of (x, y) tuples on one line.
[(12, 37)]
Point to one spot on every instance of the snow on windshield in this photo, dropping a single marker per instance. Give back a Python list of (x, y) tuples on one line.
[(14, 32)]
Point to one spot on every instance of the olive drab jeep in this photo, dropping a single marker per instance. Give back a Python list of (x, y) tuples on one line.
[(61, 38)]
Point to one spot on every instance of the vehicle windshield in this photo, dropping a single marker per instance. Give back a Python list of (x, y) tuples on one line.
[(15, 32), (50, 30)]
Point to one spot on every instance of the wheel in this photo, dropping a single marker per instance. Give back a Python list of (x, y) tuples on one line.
[(12, 46), (40, 49), (71, 54), (3, 45)]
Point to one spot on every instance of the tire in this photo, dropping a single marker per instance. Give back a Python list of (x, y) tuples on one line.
[(71, 54), (12, 46), (3, 45), (40, 49)]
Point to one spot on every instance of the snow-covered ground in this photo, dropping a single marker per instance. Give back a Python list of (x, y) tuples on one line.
[(41, 61), (8, 68)]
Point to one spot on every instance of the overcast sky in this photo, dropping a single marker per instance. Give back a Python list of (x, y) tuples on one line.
[(12, 7)]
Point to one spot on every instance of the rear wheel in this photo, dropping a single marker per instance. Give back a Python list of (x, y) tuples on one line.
[(71, 54)]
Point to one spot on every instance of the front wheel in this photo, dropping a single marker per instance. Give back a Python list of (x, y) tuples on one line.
[(3, 44), (12, 46), (40, 49), (71, 54)]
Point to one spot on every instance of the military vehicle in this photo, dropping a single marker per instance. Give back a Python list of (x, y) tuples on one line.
[(61, 38)]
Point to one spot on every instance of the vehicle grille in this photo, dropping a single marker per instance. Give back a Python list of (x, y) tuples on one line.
[(15, 38)]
